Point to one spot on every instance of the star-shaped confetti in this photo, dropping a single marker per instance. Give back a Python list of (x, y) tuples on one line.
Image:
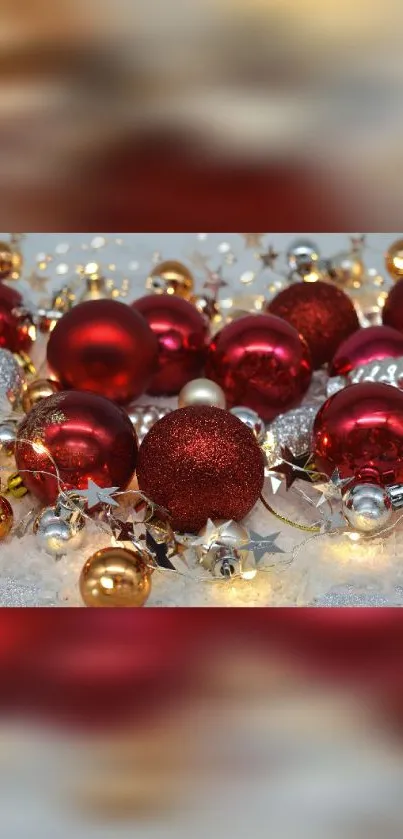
[(214, 282), (159, 550), (268, 259), (262, 545), (95, 495), (253, 240), (123, 530), (339, 482), (199, 260), (37, 282), (358, 243), (295, 468)]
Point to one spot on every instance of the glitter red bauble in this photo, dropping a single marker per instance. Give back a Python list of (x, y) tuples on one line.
[(319, 311), (86, 435), (103, 346), (199, 463), (392, 313), (359, 431), (260, 361), (182, 341), (364, 346)]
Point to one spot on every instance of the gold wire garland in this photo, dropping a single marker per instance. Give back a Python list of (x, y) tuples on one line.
[(314, 528)]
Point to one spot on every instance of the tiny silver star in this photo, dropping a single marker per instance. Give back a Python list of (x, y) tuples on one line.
[(215, 282), (262, 545), (95, 495)]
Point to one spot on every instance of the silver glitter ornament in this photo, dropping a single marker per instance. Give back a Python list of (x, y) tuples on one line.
[(367, 507), (12, 378), (252, 420), (70, 507), (302, 255), (202, 392), (143, 417), (219, 549), (54, 535), (293, 431), (387, 370)]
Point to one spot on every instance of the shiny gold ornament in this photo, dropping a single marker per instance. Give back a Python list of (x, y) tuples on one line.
[(63, 300), (347, 269), (6, 517), (394, 259), (171, 277), (10, 259), (116, 577), (38, 390), (96, 288), (202, 392), (26, 363), (15, 486)]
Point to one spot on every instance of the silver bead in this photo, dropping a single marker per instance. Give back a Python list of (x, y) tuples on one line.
[(8, 433), (252, 420), (367, 507), (302, 254), (55, 535), (12, 378), (202, 392), (222, 552)]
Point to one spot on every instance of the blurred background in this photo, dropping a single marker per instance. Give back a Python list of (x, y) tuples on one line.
[(157, 116)]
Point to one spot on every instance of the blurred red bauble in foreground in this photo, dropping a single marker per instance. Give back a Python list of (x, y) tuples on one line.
[(10, 296), (364, 346), (103, 346), (14, 332), (199, 463), (182, 341), (260, 361), (359, 431), (86, 435), (392, 313), (319, 311)]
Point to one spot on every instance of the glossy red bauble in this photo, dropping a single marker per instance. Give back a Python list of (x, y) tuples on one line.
[(392, 313), (182, 341), (364, 346), (86, 435), (359, 431), (199, 463), (103, 346), (260, 361), (14, 334), (319, 311)]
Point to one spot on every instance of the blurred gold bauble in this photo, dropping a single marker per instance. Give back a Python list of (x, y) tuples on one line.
[(15, 485), (116, 577), (6, 517), (171, 277), (394, 259), (36, 391), (10, 262), (347, 269)]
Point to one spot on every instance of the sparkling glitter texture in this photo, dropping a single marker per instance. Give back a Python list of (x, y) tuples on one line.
[(86, 435), (322, 313), (199, 463), (293, 431), (12, 378)]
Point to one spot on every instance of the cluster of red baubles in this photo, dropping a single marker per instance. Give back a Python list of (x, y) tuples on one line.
[(106, 348)]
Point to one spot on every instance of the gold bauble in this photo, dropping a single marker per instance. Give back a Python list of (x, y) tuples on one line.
[(171, 277), (347, 269), (116, 577), (394, 259), (10, 262), (38, 390), (16, 486), (96, 288), (6, 517)]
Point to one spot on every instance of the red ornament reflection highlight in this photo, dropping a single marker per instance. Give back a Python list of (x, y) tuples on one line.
[(260, 361), (198, 463), (319, 311), (182, 341), (86, 435), (366, 345), (105, 347), (359, 431)]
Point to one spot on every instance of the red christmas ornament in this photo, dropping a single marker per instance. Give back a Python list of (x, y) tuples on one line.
[(260, 361), (86, 435), (14, 329), (10, 296), (319, 311), (103, 346), (199, 463), (359, 431), (366, 345), (392, 313), (182, 339)]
